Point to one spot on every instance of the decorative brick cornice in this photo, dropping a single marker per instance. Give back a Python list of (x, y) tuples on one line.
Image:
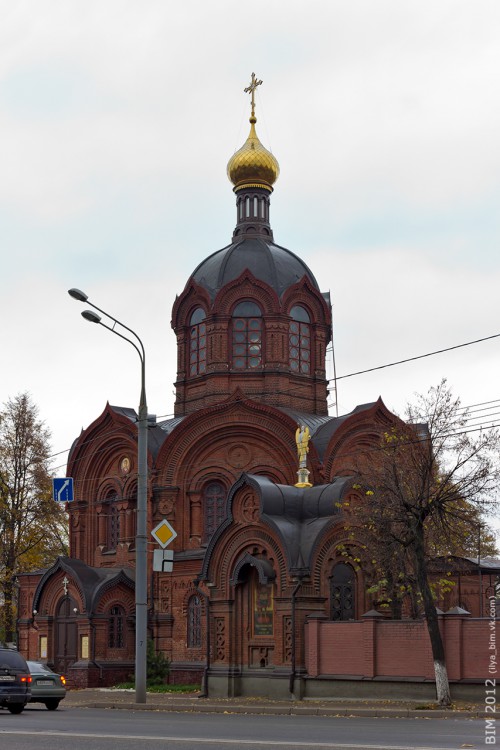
[(236, 542), (303, 292), (193, 296), (98, 448), (239, 413), (359, 431), (246, 286)]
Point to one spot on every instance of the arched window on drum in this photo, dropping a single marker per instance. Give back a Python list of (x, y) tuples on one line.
[(197, 343), (300, 341), (246, 336)]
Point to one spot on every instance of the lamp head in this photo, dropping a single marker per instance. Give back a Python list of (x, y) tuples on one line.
[(78, 294), (92, 317)]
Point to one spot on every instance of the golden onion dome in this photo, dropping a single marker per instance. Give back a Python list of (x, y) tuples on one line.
[(253, 165)]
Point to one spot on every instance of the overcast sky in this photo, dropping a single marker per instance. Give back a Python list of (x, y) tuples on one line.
[(117, 119)]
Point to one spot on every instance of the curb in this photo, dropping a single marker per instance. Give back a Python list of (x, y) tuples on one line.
[(276, 710)]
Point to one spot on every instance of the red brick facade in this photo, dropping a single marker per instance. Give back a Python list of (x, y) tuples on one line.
[(258, 561)]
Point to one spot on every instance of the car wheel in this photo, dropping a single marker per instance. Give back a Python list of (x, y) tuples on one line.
[(15, 708), (52, 704)]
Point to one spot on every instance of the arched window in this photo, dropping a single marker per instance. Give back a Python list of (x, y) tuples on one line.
[(194, 622), (214, 501), (198, 343), (342, 591), (300, 341), (116, 628), (247, 336), (113, 523)]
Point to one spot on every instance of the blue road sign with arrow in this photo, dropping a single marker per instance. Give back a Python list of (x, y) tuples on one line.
[(62, 489)]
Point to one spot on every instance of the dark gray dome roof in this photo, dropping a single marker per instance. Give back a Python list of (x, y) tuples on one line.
[(268, 262)]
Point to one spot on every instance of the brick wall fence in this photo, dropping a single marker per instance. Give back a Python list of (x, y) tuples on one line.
[(400, 649)]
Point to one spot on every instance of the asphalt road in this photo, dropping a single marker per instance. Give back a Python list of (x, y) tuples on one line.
[(98, 729)]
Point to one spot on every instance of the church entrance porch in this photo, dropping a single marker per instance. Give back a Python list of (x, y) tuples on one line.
[(65, 629)]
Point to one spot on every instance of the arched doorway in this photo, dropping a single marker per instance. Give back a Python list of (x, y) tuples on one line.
[(66, 646), (254, 631), (342, 596)]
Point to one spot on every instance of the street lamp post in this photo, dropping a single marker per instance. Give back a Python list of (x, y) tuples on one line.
[(141, 612)]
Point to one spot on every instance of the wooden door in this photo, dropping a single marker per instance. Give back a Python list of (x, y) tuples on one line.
[(66, 646)]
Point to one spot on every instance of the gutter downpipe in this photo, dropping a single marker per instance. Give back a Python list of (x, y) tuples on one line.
[(292, 675), (204, 679)]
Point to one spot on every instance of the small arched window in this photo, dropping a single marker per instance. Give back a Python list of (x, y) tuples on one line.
[(198, 343), (113, 522), (214, 501), (194, 622), (247, 336), (116, 627), (300, 341), (342, 592)]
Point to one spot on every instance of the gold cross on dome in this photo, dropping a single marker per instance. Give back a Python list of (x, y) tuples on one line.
[(251, 90)]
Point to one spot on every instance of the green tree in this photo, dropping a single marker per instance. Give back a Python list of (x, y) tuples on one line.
[(33, 528), (429, 479), (158, 665), (391, 572)]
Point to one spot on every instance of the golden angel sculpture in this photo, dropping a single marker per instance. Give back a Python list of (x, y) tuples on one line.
[(302, 437)]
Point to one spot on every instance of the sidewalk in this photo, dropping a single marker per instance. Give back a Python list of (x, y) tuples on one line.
[(125, 699)]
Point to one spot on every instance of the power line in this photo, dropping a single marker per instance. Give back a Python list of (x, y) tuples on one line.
[(412, 359), (359, 372)]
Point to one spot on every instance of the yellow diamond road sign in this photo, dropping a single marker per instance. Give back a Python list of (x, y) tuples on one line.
[(163, 533)]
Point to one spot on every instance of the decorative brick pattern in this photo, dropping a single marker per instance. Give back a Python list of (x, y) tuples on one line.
[(287, 640), (220, 639)]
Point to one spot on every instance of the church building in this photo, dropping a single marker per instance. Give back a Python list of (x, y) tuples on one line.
[(251, 472)]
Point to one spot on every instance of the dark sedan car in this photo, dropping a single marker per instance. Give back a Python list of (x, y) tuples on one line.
[(46, 686), (15, 681)]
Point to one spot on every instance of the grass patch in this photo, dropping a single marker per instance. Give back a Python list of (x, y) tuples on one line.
[(160, 688)]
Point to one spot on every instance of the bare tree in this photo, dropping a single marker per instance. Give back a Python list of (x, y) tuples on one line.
[(33, 528), (423, 481)]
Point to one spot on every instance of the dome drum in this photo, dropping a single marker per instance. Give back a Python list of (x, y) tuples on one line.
[(274, 354), (252, 213)]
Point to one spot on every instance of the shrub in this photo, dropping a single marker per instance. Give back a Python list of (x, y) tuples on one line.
[(158, 665)]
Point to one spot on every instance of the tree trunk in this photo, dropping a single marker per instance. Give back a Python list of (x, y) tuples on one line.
[(442, 684), (8, 609)]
